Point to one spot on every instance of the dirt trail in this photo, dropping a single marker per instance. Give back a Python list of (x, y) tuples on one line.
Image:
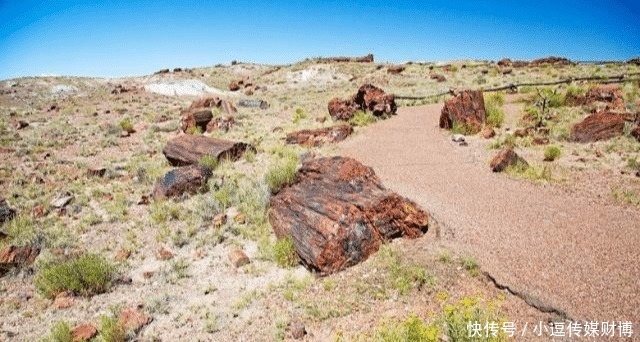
[(563, 251)]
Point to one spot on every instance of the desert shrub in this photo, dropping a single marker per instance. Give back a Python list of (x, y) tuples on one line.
[(495, 116), (60, 332), (127, 126), (463, 128), (284, 252), (551, 153), (21, 230), (85, 275), (530, 172), (457, 318), (411, 329), (470, 265), (111, 330), (403, 277), (282, 173), (496, 98), (633, 163), (163, 211), (362, 118), (210, 162), (626, 196), (194, 130), (574, 91), (299, 115)]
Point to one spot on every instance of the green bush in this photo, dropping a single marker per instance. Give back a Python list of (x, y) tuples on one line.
[(493, 104), (362, 118), (411, 329), (127, 126), (496, 99), (21, 230), (284, 252), (463, 128), (281, 173), (85, 275), (60, 332), (551, 153), (299, 115), (111, 330), (210, 162)]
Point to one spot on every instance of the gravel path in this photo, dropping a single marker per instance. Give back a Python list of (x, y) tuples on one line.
[(563, 251)]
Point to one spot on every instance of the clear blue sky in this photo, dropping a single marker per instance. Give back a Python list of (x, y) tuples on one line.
[(118, 38)]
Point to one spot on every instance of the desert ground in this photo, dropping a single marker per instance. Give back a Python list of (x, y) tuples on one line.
[(333, 199)]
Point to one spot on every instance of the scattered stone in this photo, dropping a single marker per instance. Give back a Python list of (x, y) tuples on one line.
[(125, 134), (488, 132), (199, 114), (599, 153), (61, 200), (120, 89), (84, 332), (189, 149), (63, 300), (20, 124), (338, 213), (523, 132), (132, 319), (636, 132), (506, 157), (342, 109), (219, 220), (144, 200), (297, 330), (458, 138), (253, 103), (395, 69), (97, 171), (238, 258), (233, 86), (13, 256), (375, 100), (6, 213), (598, 126), (165, 254), (467, 109), (540, 140), (221, 124), (123, 254), (187, 179), (507, 71), (320, 136), (551, 60), (438, 77)]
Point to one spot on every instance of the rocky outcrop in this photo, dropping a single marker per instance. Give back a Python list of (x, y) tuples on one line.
[(552, 60), (189, 149), (340, 109), (598, 126), (200, 113), (181, 180), (338, 213), (505, 158), (368, 98), (320, 136), (466, 108)]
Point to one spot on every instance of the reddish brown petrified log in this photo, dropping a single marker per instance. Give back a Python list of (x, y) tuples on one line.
[(467, 109), (320, 136), (186, 179), (338, 213), (189, 149), (598, 126)]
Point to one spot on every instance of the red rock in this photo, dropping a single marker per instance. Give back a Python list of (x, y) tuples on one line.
[(219, 220), (297, 330), (238, 258), (18, 256), (195, 118), (96, 171), (375, 100), (523, 132), (182, 180), (551, 60), (20, 124), (465, 108), (506, 157), (607, 93), (395, 69), (165, 254), (320, 136), (342, 109), (189, 149), (123, 254), (598, 126), (63, 300), (84, 332), (221, 124), (438, 77), (507, 71), (338, 213), (488, 132), (233, 86), (133, 319)]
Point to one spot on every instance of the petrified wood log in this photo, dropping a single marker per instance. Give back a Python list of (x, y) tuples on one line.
[(598, 126), (505, 158), (338, 213), (320, 136), (467, 108), (186, 179), (189, 149)]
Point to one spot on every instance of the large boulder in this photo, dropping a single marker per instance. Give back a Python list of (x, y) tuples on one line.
[(338, 213), (320, 136), (340, 109), (466, 108), (598, 126), (375, 100), (189, 149), (181, 180), (505, 158)]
